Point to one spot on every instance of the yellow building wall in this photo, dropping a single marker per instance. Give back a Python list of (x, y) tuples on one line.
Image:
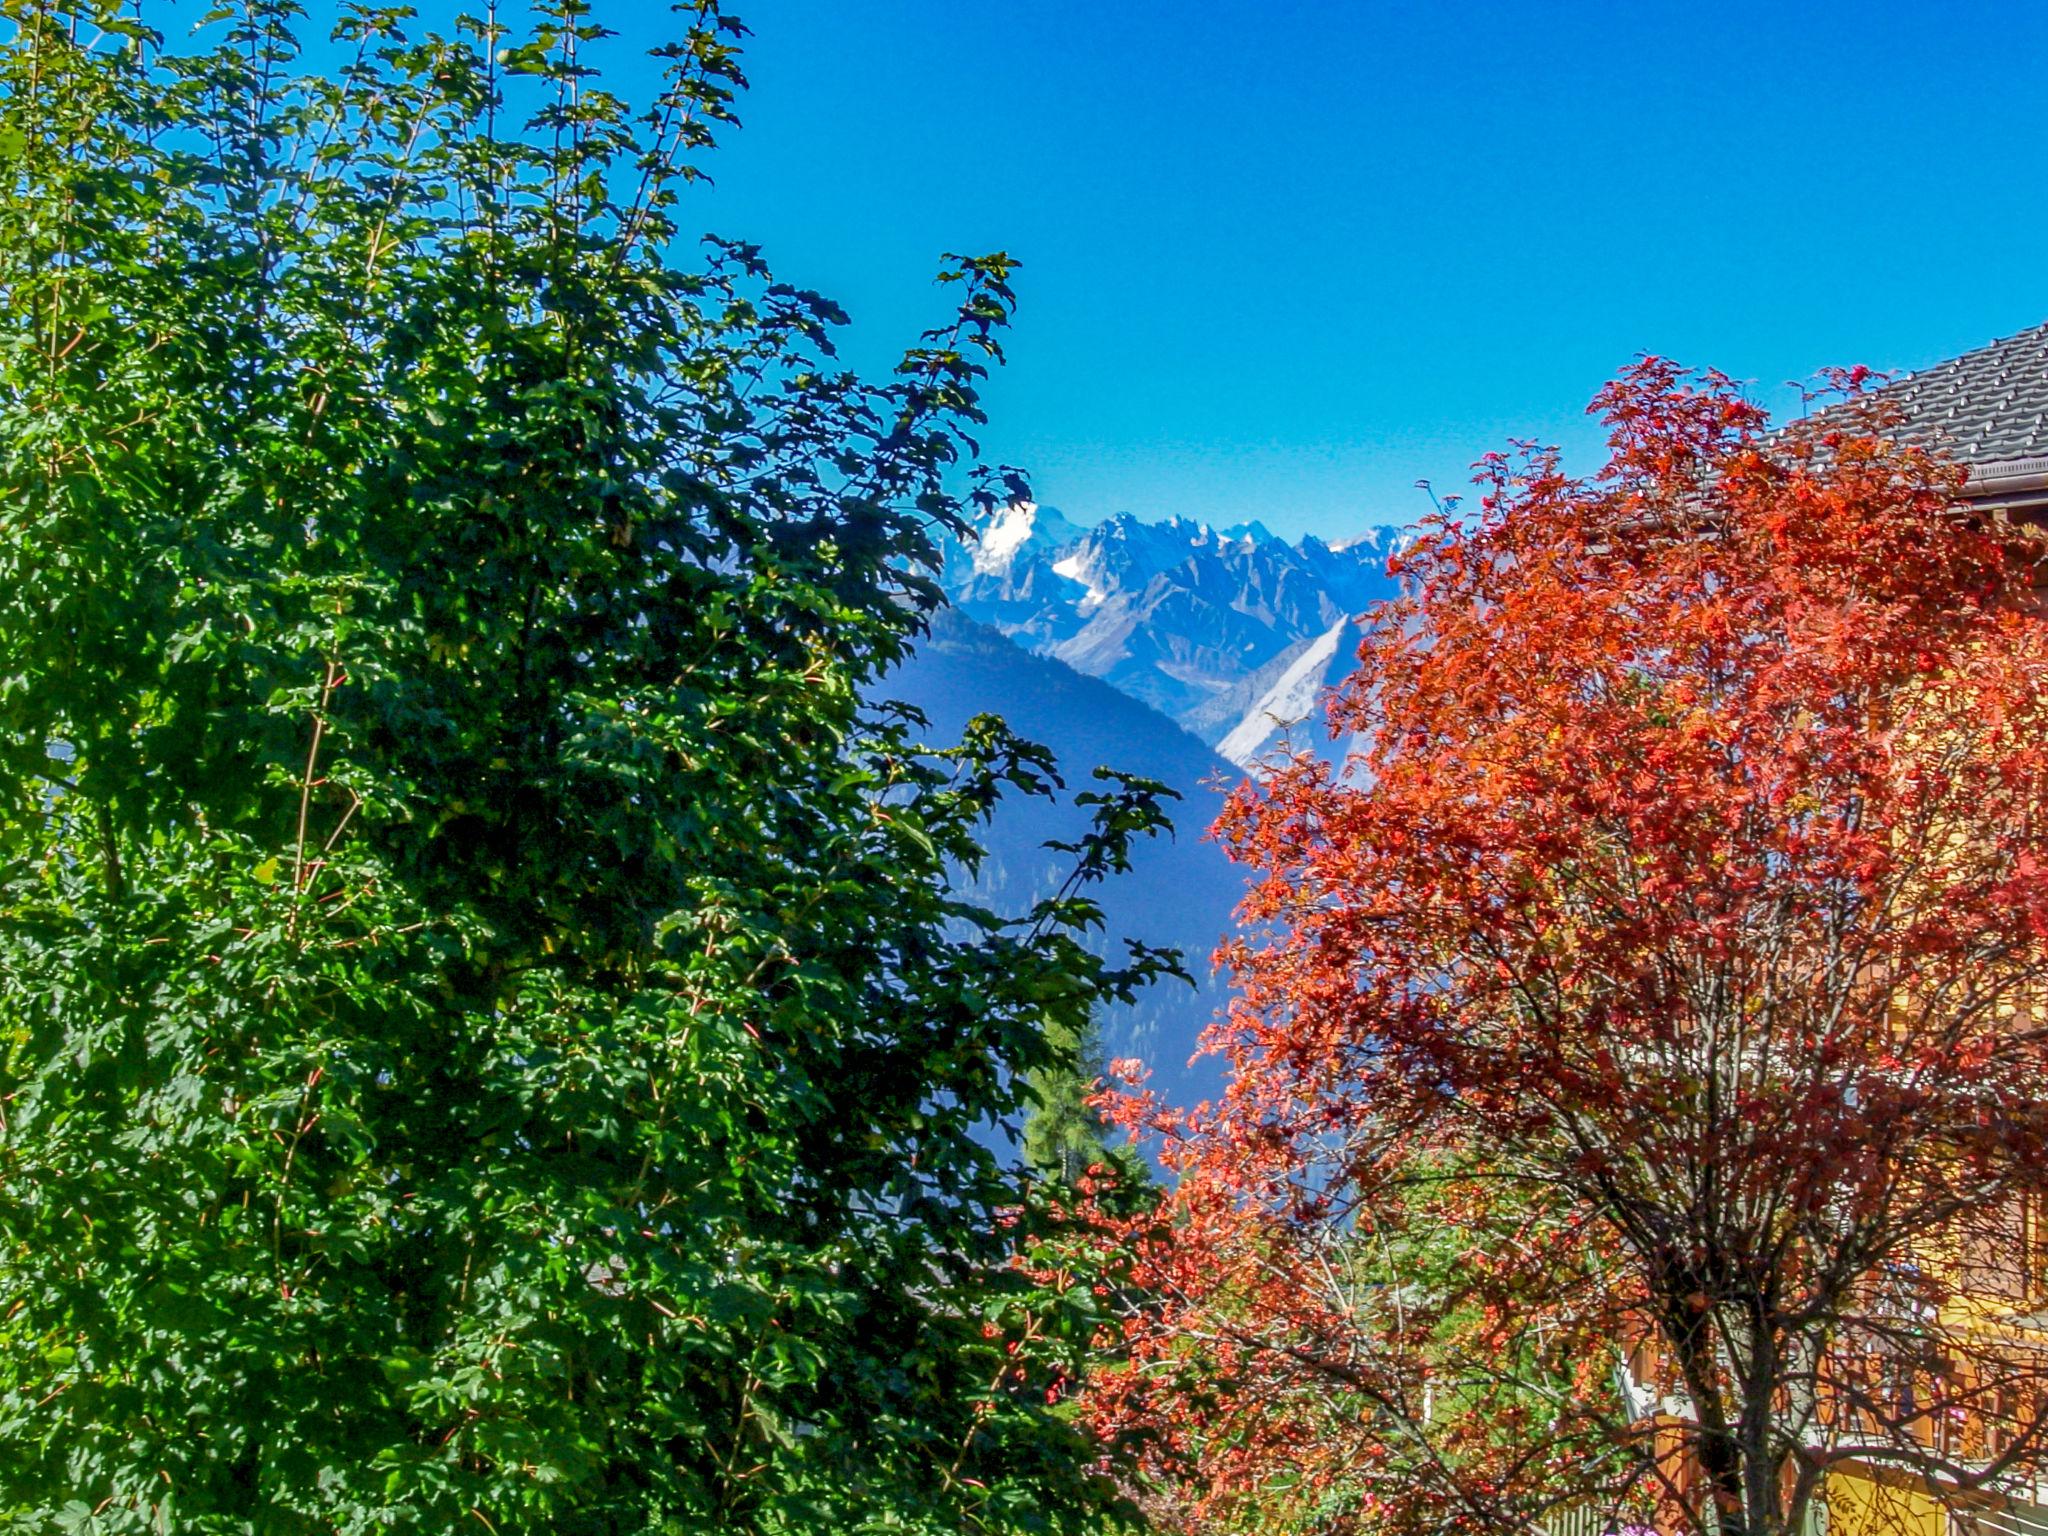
[(1863, 1504)]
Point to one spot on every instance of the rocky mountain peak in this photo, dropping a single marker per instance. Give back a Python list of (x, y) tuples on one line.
[(1024, 531)]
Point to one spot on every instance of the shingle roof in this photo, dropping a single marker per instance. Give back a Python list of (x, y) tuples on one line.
[(1986, 408)]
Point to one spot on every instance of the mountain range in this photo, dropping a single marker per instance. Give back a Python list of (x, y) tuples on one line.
[(1172, 649), (1233, 633)]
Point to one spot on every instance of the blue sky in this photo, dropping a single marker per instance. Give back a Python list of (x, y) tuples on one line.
[(1284, 258)]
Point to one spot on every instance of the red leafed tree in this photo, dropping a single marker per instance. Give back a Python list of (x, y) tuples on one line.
[(1638, 1098)]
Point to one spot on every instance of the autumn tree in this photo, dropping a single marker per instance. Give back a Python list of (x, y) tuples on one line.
[(1636, 1058), (491, 1037)]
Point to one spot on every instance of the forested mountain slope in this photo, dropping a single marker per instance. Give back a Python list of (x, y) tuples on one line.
[(1181, 892)]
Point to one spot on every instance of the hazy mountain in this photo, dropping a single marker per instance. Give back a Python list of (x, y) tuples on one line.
[(1233, 633), (1181, 892)]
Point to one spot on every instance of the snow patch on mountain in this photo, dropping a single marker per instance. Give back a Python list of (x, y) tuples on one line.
[(1296, 696), (1253, 532), (1385, 542), (1075, 568)]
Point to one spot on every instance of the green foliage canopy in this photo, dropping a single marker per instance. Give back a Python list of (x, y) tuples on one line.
[(488, 1035)]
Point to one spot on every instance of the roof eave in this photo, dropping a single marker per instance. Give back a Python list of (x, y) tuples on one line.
[(2008, 485), (2006, 477)]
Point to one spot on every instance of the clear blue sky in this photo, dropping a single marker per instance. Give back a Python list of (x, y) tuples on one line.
[(1285, 257)]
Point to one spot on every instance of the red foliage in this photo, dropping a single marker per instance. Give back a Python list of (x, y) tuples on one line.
[(1660, 982)]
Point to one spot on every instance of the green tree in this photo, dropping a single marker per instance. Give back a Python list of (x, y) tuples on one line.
[(1065, 1134), (490, 1036)]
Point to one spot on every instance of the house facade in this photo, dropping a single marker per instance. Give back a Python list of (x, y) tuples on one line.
[(1988, 411)]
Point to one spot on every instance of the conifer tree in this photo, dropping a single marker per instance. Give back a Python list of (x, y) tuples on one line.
[(1066, 1133)]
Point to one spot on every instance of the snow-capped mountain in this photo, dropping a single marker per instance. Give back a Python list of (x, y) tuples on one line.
[(1233, 633)]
